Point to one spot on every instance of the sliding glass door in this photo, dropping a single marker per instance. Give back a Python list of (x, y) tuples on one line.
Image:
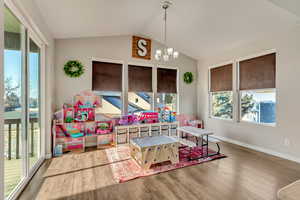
[(13, 102), (22, 113), (34, 136)]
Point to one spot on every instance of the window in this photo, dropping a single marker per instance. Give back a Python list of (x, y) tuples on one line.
[(221, 96), (111, 105), (257, 89), (140, 92), (107, 83), (221, 105), (166, 101), (166, 89), (139, 101), (258, 106), (107, 76)]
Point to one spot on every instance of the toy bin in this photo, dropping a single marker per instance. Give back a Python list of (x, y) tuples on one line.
[(122, 136), (133, 132)]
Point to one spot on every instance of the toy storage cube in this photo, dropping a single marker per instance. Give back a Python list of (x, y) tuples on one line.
[(155, 130), (173, 132), (133, 132), (165, 132), (151, 150), (155, 133), (122, 136), (144, 131)]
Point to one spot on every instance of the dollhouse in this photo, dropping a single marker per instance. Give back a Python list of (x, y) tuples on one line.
[(75, 127)]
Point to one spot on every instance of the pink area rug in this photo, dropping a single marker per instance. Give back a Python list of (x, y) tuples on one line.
[(129, 169)]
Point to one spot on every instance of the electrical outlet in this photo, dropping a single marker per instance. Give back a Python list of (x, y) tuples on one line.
[(286, 142)]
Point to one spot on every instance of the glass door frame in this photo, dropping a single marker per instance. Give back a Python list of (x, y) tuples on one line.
[(41, 86), (39, 41)]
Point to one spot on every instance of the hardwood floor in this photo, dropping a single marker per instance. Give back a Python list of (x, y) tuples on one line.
[(244, 174)]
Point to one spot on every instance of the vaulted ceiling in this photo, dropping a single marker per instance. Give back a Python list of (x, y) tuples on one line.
[(195, 27)]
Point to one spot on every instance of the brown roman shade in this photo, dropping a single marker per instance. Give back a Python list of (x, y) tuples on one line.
[(166, 80), (139, 79), (221, 78), (258, 73), (107, 76)]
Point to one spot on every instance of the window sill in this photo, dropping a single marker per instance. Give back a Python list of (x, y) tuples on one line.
[(258, 124), (222, 119)]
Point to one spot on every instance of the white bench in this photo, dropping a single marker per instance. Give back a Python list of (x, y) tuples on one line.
[(201, 135), (186, 142)]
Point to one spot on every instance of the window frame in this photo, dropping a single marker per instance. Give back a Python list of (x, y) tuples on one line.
[(153, 85), (220, 118), (124, 92), (177, 86), (239, 102), (123, 77), (233, 91), (252, 122)]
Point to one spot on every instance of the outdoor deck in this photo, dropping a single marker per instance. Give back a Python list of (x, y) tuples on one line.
[(13, 151)]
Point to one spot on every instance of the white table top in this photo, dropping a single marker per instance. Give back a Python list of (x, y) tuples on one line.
[(198, 132), (153, 141)]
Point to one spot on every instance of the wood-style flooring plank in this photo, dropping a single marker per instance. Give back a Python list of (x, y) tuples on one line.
[(244, 174)]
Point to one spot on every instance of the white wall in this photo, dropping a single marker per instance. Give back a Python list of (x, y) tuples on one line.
[(116, 48), (269, 139)]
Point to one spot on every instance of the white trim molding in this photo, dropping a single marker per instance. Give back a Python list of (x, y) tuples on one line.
[(260, 149), (1, 101)]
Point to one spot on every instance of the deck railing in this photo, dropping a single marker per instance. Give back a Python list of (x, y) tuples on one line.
[(15, 125)]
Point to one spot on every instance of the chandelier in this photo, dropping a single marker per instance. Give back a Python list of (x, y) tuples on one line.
[(166, 53)]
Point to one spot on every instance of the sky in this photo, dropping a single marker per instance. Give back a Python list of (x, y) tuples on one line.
[(12, 69)]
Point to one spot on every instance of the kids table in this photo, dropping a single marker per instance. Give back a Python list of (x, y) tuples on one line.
[(151, 150), (198, 134)]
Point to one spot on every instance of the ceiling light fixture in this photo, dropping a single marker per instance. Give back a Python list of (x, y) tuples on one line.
[(166, 53)]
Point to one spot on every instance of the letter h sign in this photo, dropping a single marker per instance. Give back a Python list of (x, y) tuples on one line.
[(141, 48)]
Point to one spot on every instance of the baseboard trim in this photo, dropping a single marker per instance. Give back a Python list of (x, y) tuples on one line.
[(260, 149), (48, 156)]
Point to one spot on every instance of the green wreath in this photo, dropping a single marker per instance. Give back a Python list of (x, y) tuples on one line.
[(74, 68), (188, 77)]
